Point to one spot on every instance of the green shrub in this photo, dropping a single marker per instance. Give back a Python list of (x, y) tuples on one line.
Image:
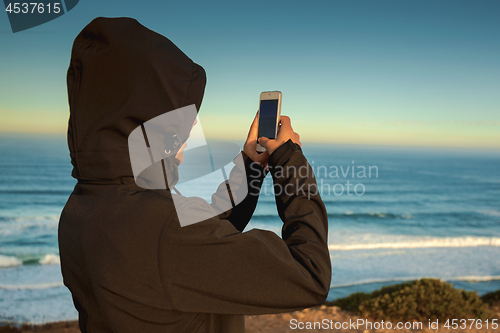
[(418, 300), (351, 302), (8, 329), (492, 298)]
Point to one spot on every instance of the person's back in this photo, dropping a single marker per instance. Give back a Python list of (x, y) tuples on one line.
[(129, 264), (113, 261)]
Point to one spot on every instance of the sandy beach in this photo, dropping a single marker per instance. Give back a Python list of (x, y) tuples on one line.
[(289, 322)]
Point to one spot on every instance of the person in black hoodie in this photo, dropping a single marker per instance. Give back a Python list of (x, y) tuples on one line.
[(128, 263)]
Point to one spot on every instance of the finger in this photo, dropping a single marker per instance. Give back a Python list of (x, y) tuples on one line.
[(254, 128), (263, 141), (297, 136), (285, 122)]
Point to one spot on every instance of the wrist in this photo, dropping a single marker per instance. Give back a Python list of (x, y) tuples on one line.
[(276, 146), (282, 152)]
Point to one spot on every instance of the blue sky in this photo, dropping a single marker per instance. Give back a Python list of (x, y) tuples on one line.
[(416, 73)]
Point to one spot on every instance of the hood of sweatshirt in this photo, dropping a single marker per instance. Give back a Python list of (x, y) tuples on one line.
[(120, 76)]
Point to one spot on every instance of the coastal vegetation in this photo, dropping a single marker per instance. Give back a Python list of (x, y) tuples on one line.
[(420, 300)]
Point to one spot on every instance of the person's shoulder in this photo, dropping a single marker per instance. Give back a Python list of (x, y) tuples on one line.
[(149, 199), (158, 194), (188, 209)]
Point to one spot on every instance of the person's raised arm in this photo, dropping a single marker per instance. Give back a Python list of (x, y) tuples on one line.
[(245, 180), (212, 267)]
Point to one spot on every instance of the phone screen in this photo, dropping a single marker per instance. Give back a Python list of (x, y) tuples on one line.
[(267, 118)]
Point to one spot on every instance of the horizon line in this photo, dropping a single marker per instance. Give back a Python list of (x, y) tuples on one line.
[(313, 142)]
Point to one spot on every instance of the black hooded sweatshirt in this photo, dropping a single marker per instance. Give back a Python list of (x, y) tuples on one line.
[(128, 263)]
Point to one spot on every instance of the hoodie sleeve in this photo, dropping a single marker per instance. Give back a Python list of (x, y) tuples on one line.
[(245, 180), (211, 267)]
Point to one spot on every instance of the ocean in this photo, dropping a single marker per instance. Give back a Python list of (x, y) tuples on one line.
[(395, 214)]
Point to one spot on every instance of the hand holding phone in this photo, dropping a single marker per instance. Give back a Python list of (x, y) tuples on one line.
[(269, 115), (251, 144), (285, 133)]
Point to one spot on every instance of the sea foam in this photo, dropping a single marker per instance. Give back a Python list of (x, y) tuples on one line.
[(8, 261), (50, 259), (408, 242), (470, 278)]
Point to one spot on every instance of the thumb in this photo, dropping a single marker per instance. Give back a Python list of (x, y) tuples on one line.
[(286, 123), (263, 141)]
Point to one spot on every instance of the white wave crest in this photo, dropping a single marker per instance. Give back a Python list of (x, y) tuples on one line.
[(31, 286), (421, 242), (16, 225), (491, 212), (50, 259), (470, 278), (7, 261)]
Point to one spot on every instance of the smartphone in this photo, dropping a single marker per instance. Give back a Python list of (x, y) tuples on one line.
[(269, 115)]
